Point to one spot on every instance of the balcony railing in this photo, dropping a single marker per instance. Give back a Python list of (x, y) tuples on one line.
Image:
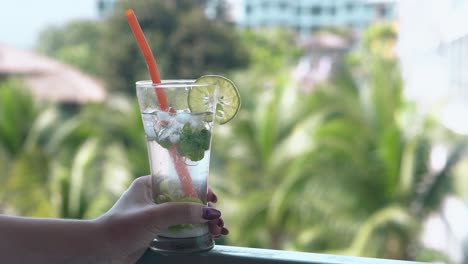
[(242, 255)]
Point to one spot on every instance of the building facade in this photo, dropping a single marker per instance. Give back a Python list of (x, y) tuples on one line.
[(307, 16), (433, 51), (105, 7)]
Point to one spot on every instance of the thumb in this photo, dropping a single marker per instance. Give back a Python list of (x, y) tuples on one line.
[(174, 213)]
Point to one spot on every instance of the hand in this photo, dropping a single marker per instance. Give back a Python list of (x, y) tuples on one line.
[(134, 220)]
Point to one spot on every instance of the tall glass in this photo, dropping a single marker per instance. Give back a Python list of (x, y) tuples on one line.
[(178, 142)]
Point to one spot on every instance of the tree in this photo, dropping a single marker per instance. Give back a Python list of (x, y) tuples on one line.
[(252, 154), (55, 165), (76, 43), (375, 146), (17, 114), (185, 42), (344, 169)]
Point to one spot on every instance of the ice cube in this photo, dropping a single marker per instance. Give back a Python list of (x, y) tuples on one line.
[(163, 116), (164, 133), (148, 125), (174, 138), (194, 122), (183, 117)]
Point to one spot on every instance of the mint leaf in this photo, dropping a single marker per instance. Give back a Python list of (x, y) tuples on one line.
[(194, 142), (165, 143), (204, 137)]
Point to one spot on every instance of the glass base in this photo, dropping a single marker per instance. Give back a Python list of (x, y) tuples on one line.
[(166, 245)]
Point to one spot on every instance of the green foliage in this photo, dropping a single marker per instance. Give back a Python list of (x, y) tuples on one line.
[(270, 50), (76, 43), (346, 161), (64, 166), (343, 169), (17, 110)]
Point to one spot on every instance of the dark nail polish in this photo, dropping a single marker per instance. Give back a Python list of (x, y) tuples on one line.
[(224, 231), (220, 222), (210, 213), (215, 198)]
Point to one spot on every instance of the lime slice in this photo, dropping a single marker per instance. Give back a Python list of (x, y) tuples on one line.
[(227, 97)]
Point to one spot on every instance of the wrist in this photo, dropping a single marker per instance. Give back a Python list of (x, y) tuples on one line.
[(118, 236), (102, 233), (98, 238)]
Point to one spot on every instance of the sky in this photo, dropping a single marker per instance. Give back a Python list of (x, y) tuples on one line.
[(22, 20)]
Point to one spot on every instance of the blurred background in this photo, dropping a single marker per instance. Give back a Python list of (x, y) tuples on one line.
[(351, 138)]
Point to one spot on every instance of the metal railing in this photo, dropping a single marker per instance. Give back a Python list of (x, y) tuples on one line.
[(242, 255)]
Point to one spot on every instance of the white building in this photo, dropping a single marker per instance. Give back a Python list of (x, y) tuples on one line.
[(307, 16), (433, 50)]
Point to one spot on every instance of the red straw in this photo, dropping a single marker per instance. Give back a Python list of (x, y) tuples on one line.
[(148, 54), (181, 168)]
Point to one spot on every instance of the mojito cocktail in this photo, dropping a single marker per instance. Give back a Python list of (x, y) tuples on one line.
[(178, 121), (178, 141)]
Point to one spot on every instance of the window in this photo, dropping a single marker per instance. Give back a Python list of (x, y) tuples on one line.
[(316, 10), (248, 9), (298, 11), (349, 7), (382, 11), (283, 5), (332, 10), (101, 5), (265, 5)]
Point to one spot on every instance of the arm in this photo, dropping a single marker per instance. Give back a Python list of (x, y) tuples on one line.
[(42, 240), (121, 235)]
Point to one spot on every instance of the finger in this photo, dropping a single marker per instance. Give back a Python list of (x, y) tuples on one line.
[(174, 213), (141, 182), (139, 191), (214, 228), (224, 231), (212, 196)]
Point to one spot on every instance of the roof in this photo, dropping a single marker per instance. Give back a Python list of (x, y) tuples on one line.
[(48, 79)]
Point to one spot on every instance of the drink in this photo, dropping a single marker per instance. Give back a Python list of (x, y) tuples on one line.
[(178, 140), (178, 119), (164, 131)]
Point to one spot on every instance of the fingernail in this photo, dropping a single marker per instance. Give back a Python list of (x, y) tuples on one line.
[(215, 198), (220, 222), (210, 213), (224, 231)]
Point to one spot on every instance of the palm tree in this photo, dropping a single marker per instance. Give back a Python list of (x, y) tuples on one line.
[(67, 166), (106, 151), (17, 115), (249, 160), (388, 155), (344, 169)]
